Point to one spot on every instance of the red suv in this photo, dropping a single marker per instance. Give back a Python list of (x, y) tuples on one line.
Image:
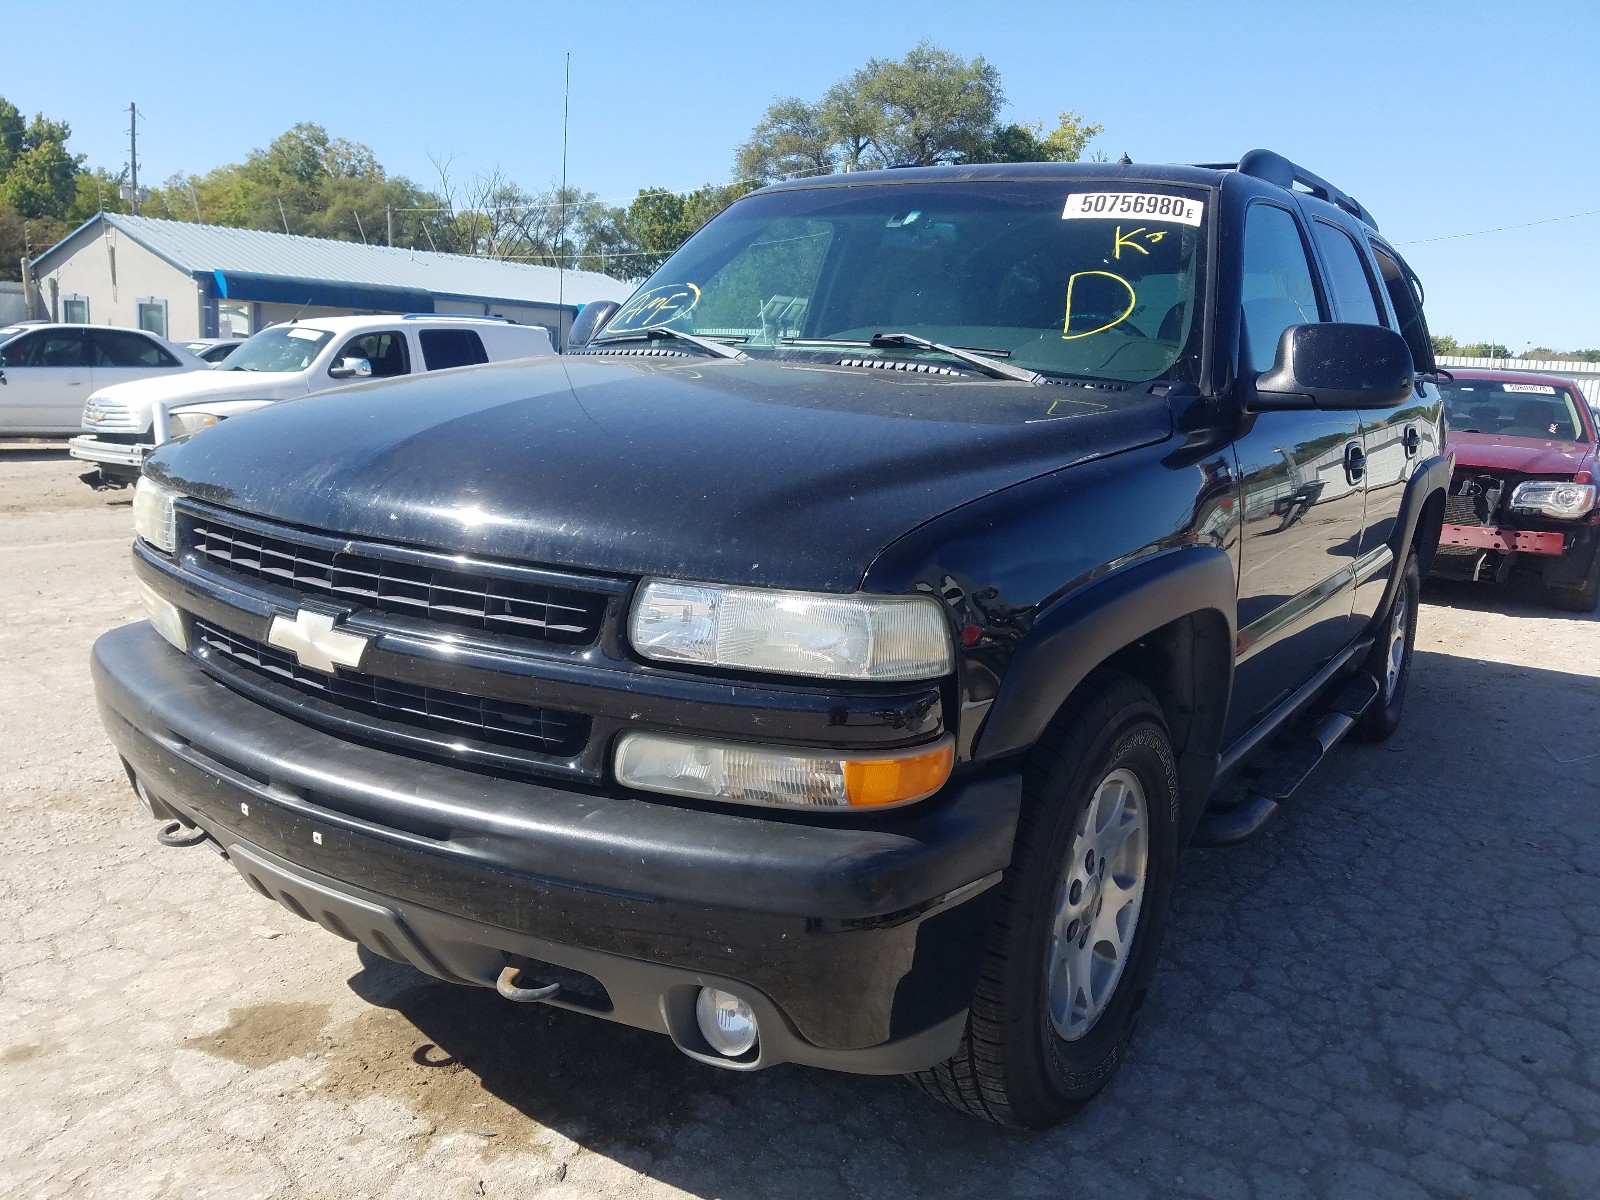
[(1523, 493)]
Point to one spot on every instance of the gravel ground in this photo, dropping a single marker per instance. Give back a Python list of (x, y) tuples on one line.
[(1394, 991)]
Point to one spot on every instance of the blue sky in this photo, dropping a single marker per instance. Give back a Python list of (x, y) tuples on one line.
[(1442, 117)]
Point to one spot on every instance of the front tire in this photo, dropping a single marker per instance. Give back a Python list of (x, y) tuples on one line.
[(1083, 906), (1390, 660), (1585, 596)]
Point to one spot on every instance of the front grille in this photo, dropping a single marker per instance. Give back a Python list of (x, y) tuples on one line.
[(395, 585), (109, 416), (498, 722)]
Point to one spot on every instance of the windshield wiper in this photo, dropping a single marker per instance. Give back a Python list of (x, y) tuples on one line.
[(987, 365), (666, 331)]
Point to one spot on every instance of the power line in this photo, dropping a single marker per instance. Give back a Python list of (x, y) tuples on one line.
[(1500, 228)]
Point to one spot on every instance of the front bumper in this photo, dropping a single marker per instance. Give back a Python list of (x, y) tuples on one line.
[(858, 945), (1492, 537), (89, 448)]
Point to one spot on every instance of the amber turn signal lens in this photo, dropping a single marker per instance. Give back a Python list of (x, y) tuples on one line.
[(871, 783)]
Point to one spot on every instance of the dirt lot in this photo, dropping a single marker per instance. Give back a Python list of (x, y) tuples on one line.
[(1393, 992)]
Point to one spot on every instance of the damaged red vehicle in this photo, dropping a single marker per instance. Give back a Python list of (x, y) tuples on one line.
[(1523, 494)]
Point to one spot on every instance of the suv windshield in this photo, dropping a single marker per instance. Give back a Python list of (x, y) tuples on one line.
[(1065, 277), (284, 348), (1514, 408)]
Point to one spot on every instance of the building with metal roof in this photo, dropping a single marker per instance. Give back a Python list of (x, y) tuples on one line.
[(186, 281)]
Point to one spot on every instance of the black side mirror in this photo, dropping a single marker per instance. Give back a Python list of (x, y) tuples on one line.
[(588, 322), (1335, 366)]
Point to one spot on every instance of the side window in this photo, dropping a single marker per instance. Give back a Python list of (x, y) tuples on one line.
[(118, 348), (1279, 284), (19, 351), (386, 352), (1407, 308), (47, 348), (1355, 294), (444, 348)]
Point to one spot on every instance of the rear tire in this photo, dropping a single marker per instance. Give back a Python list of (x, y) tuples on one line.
[(1390, 660), (1073, 950)]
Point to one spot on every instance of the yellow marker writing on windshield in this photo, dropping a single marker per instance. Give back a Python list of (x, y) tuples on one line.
[(1072, 281), (1126, 240), (647, 308)]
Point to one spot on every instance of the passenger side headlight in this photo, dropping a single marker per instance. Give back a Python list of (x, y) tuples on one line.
[(858, 637), (1554, 499), (153, 517), (181, 423)]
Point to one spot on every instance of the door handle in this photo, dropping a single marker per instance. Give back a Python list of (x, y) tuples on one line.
[(1355, 462), (1412, 441)]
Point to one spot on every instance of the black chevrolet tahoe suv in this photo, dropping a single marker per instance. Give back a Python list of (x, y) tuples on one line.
[(829, 660)]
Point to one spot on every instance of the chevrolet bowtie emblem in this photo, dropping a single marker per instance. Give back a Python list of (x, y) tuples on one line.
[(312, 639)]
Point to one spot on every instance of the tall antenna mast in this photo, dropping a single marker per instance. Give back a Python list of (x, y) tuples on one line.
[(133, 159), (561, 250)]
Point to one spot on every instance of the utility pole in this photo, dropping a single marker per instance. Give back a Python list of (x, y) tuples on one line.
[(130, 190), (133, 156), (388, 216)]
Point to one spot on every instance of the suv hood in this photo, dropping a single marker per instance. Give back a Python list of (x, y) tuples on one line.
[(788, 475), (1527, 456), (206, 384)]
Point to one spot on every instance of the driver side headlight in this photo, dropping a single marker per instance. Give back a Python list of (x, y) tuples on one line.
[(859, 637), (154, 519), (181, 423)]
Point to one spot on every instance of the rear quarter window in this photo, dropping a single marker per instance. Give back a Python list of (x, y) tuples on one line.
[(444, 348)]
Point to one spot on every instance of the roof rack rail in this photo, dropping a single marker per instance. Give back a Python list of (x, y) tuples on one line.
[(1275, 168), (454, 317)]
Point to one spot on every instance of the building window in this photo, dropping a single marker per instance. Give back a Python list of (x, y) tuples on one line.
[(153, 316), (233, 319), (75, 310)]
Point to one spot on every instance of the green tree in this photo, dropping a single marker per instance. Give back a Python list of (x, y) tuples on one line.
[(1443, 343), (13, 135), (657, 222), (1029, 143), (305, 182), (929, 107), (1484, 350), (40, 176)]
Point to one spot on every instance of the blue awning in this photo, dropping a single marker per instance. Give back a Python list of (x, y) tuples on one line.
[(318, 293)]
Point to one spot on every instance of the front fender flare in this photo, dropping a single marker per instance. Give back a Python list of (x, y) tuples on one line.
[(1083, 629)]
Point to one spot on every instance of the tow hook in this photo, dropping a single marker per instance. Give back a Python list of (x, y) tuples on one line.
[(180, 833), (506, 985)]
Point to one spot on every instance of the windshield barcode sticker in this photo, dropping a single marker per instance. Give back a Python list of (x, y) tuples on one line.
[(1148, 205), (1536, 389)]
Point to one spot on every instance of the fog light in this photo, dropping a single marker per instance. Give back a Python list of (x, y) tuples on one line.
[(726, 1022), (164, 615)]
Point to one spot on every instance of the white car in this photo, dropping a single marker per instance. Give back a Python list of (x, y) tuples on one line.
[(48, 371), (284, 362), (213, 350)]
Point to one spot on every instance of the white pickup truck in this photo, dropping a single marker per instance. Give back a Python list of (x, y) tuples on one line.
[(124, 422)]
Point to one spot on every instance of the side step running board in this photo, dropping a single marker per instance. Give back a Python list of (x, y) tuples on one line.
[(1287, 769)]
